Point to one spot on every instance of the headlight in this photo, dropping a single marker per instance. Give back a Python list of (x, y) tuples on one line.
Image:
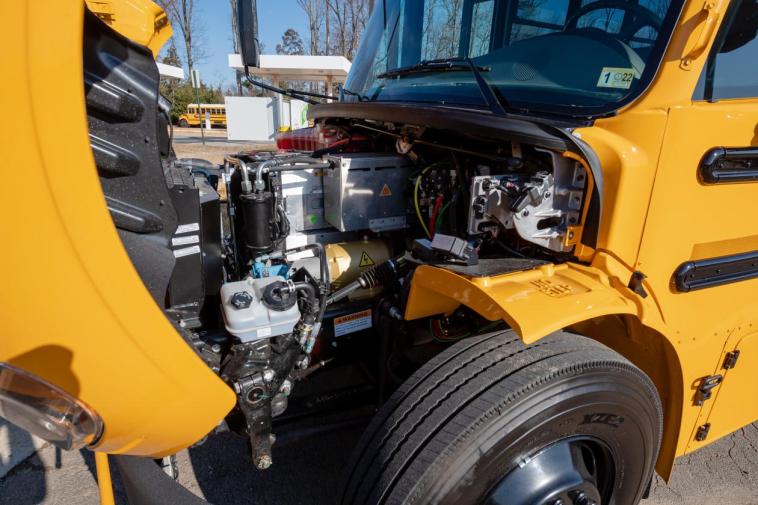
[(46, 410)]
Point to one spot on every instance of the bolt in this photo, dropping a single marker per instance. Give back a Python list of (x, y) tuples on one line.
[(268, 374), (571, 235), (216, 348), (557, 502), (580, 498), (263, 462), (255, 395), (525, 213), (286, 387)]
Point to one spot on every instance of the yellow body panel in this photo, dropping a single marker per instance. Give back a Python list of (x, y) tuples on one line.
[(143, 21), (656, 216), (74, 310)]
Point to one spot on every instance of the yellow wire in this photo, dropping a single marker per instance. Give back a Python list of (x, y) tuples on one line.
[(415, 200)]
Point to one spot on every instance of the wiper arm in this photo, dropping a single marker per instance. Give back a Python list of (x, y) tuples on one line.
[(361, 97), (438, 65), (490, 95), (456, 64)]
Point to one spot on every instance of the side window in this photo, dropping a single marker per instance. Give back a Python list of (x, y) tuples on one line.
[(535, 17), (481, 27), (441, 29), (731, 70)]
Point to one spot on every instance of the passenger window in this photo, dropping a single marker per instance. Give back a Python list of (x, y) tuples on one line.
[(481, 28), (441, 31), (731, 70), (534, 18)]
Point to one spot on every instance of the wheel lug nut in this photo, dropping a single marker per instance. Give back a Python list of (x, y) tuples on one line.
[(581, 499)]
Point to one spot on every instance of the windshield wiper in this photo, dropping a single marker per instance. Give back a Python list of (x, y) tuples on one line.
[(496, 103), (439, 65)]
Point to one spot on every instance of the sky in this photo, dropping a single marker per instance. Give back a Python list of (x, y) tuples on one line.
[(274, 17)]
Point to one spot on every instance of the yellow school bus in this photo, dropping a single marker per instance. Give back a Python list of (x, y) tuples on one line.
[(564, 198), (196, 113)]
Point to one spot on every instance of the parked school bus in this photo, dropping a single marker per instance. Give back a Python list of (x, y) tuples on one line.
[(528, 233), (215, 111)]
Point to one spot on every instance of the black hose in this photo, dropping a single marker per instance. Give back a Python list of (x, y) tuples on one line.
[(310, 292), (321, 253)]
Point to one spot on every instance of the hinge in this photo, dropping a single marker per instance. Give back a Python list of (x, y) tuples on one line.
[(702, 432), (635, 283), (730, 360), (706, 385)]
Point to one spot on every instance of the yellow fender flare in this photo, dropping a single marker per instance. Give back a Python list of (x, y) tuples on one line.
[(534, 302)]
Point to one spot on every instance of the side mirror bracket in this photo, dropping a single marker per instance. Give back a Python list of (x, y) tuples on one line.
[(247, 33)]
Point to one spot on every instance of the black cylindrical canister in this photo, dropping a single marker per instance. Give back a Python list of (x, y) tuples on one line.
[(258, 214)]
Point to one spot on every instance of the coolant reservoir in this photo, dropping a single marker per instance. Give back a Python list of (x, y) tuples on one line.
[(250, 313), (347, 260)]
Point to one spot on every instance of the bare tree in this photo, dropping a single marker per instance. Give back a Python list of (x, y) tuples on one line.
[(182, 16), (335, 26), (315, 11), (233, 11), (235, 42)]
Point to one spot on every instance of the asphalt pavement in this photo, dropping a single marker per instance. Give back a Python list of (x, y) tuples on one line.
[(308, 471)]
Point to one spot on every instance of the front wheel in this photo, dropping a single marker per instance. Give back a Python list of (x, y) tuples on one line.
[(183, 123), (565, 420)]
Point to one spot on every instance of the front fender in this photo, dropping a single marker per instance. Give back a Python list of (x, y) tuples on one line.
[(534, 303)]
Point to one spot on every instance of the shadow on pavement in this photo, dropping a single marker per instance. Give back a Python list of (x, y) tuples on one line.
[(305, 471)]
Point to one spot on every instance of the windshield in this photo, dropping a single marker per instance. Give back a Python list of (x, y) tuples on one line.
[(576, 57)]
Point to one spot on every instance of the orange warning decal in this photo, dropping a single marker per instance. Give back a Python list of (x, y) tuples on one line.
[(385, 191)]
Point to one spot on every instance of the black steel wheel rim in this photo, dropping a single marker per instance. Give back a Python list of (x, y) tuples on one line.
[(573, 471)]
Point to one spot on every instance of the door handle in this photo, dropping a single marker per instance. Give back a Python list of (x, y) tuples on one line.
[(712, 14), (723, 165)]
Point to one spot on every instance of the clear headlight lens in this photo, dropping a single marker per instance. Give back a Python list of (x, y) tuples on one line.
[(45, 410)]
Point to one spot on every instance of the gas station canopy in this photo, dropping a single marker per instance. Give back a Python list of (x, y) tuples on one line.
[(280, 67), (170, 71)]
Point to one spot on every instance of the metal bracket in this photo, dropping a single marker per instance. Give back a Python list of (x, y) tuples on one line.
[(702, 432), (706, 386), (730, 360), (635, 283)]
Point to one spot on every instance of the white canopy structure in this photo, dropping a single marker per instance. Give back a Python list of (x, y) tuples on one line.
[(281, 67), (259, 118), (170, 71)]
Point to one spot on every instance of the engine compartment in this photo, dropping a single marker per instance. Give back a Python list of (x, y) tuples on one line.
[(276, 265), (320, 248)]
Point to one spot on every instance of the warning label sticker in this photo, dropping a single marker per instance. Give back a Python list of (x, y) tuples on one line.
[(385, 191), (351, 323), (366, 260)]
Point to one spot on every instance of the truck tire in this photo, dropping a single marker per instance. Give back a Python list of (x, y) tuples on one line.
[(565, 420)]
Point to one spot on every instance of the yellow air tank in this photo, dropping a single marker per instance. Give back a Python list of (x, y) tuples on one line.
[(347, 260)]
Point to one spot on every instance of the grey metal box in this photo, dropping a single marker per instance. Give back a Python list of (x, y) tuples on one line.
[(303, 193), (366, 191)]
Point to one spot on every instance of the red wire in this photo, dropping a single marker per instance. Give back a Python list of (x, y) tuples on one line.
[(433, 219)]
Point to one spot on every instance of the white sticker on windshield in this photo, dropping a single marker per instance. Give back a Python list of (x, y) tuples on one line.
[(614, 77)]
